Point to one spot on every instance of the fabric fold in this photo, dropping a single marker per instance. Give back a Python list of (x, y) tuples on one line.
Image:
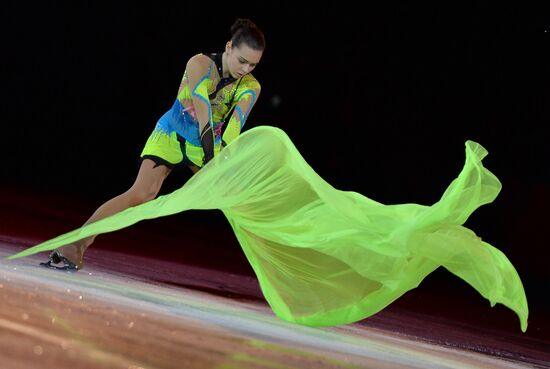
[(325, 256)]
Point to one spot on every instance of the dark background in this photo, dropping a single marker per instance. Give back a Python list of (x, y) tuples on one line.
[(378, 99)]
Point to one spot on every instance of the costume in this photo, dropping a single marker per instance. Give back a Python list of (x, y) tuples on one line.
[(325, 256), (176, 137)]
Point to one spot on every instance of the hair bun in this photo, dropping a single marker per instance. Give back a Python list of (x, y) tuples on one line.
[(242, 23), (244, 31)]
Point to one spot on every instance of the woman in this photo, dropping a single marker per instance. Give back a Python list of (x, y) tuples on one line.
[(215, 97)]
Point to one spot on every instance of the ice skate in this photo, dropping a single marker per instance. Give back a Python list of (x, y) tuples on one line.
[(70, 257)]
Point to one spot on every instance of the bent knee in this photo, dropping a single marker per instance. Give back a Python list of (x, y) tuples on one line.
[(139, 195)]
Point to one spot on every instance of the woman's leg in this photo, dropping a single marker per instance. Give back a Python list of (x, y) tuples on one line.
[(145, 188), (193, 168)]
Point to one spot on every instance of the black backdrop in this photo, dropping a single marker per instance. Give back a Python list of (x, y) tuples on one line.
[(379, 99)]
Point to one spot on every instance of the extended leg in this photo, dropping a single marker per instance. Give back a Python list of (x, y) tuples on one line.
[(145, 188)]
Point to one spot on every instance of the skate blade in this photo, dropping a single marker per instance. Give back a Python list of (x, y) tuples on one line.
[(68, 266)]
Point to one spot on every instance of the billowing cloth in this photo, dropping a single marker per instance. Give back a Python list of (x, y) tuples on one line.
[(329, 257)]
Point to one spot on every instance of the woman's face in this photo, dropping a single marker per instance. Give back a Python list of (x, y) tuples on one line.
[(241, 60)]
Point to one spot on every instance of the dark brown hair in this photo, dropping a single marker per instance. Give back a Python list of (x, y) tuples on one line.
[(245, 31)]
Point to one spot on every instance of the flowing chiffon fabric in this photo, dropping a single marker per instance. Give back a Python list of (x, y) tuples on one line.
[(328, 257)]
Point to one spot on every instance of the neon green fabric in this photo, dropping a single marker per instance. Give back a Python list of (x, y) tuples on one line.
[(328, 257)]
